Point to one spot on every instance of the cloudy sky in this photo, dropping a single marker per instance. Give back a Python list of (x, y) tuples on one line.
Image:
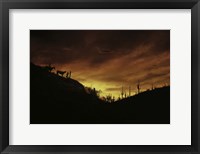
[(106, 59)]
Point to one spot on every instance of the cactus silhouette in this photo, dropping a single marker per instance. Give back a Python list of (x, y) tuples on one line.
[(70, 74), (152, 87), (122, 92), (138, 87)]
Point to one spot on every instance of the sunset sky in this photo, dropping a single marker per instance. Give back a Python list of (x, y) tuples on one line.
[(106, 59)]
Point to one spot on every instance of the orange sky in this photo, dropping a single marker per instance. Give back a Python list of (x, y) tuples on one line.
[(106, 59)]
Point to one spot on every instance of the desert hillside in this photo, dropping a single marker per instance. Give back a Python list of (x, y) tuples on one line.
[(59, 100)]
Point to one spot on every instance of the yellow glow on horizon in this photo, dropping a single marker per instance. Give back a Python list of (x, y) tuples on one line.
[(103, 86)]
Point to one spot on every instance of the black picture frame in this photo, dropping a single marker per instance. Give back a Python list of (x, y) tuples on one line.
[(5, 5)]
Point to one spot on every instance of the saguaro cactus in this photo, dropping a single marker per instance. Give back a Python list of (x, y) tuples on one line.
[(138, 87), (122, 92)]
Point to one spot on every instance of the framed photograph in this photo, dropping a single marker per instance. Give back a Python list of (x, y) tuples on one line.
[(99, 76), (88, 76)]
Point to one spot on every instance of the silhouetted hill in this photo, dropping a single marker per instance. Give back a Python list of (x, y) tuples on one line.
[(59, 100), (50, 86), (147, 107), (55, 99)]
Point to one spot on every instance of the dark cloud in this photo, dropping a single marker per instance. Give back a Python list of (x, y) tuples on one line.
[(114, 89), (95, 45), (150, 76)]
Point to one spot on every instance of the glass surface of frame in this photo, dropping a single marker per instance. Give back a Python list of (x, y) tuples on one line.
[(194, 6)]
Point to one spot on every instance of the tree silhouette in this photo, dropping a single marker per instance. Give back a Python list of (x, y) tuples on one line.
[(94, 92)]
